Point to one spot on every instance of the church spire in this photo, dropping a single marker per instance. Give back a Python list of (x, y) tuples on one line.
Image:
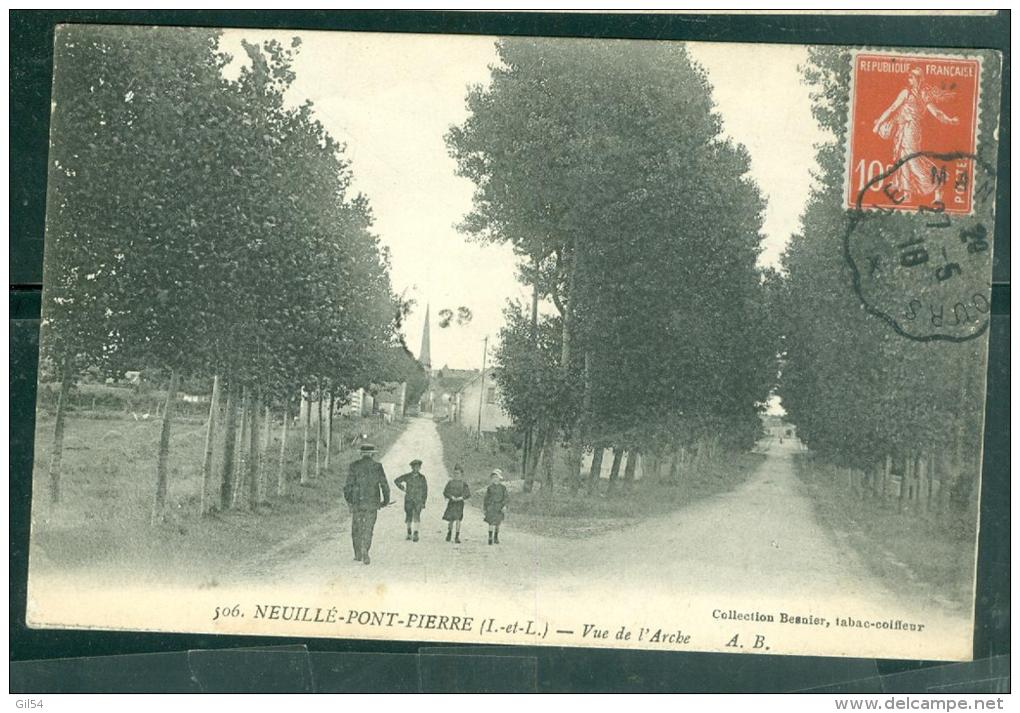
[(425, 355)]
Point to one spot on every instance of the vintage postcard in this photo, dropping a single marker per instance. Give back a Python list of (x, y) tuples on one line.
[(515, 340)]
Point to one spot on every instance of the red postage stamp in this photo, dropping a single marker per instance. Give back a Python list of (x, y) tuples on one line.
[(913, 132)]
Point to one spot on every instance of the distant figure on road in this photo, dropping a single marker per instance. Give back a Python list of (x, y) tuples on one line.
[(416, 493), (494, 505), (365, 491), (455, 492)]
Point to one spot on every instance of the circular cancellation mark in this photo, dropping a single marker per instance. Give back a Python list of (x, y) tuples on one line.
[(925, 270)]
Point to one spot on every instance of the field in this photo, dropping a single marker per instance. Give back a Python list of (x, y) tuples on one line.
[(562, 513), (109, 466)]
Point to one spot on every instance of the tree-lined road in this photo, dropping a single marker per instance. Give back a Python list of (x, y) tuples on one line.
[(759, 543)]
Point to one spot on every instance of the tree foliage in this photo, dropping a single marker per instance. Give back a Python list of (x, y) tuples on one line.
[(205, 226), (859, 392), (604, 165)]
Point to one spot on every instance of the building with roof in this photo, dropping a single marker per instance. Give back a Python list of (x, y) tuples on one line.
[(477, 407)]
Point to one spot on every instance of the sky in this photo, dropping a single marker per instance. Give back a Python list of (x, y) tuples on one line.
[(391, 98)]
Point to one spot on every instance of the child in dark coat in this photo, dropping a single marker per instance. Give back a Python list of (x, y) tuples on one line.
[(455, 492), (416, 494), (496, 497)]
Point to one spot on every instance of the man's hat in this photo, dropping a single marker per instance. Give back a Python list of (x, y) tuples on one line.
[(367, 448), (416, 462), (498, 473)]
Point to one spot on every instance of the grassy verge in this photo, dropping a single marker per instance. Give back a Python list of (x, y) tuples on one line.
[(927, 555), (562, 513), (102, 522)]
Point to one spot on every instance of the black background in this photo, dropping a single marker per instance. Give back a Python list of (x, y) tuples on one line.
[(349, 665)]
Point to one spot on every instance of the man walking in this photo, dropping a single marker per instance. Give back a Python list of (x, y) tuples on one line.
[(416, 493), (365, 491)]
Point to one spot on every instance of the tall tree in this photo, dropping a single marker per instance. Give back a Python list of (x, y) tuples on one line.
[(604, 165), (861, 395)]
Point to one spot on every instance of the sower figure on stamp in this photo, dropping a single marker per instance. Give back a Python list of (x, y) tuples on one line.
[(494, 505), (455, 492), (365, 491), (903, 121), (416, 494)]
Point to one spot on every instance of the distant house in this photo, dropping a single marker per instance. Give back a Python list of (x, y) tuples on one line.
[(440, 396), (480, 394), (391, 399), (777, 427)]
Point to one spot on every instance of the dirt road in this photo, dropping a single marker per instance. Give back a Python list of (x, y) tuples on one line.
[(755, 550)]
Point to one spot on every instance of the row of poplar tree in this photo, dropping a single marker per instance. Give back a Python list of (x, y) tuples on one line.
[(200, 225), (604, 165), (900, 419)]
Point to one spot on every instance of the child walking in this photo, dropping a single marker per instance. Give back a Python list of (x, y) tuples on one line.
[(416, 494), (455, 492), (494, 505)]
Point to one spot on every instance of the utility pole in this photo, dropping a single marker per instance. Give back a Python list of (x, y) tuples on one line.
[(481, 389)]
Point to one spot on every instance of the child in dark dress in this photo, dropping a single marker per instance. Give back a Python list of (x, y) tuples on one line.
[(455, 492), (496, 497)]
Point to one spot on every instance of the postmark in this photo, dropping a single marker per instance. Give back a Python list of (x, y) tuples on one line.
[(926, 274), (919, 230)]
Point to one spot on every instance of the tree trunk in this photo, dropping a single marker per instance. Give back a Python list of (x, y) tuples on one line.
[(578, 434), (318, 433), (628, 472), (958, 466), (531, 452), (920, 495), (241, 461), (253, 450), (701, 455), (281, 474), (566, 355), (525, 445), (651, 467), (267, 438), (575, 456), (227, 481), (210, 441), (66, 378), (329, 433), (547, 461), (595, 472), (162, 460), (536, 262), (908, 463), (533, 456), (306, 448), (674, 466), (883, 484), (614, 471), (338, 437)]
